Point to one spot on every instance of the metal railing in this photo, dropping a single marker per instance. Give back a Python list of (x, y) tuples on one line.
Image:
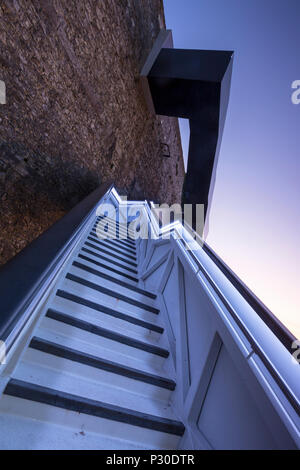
[(276, 326), (238, 300), (265, 344)]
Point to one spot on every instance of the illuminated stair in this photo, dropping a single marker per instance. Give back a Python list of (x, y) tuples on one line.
[(140, 344), (93, 372)]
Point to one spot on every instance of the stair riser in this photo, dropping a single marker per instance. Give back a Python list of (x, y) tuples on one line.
[(115, 228), (117, 241), (53, 436)]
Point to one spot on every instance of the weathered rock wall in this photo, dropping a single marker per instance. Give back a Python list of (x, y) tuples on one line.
[(75, 113)]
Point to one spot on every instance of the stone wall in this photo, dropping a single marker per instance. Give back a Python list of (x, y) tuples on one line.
[(75, 113)]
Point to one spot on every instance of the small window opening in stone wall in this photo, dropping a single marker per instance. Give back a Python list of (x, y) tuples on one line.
[(165, 149)]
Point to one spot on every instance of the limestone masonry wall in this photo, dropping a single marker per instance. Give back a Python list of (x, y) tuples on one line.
[(75, 113)]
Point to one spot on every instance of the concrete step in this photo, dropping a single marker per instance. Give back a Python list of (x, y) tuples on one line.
[(87, 367), (130, 266), (67, 431), (113, 244), (110, 297), (106, 248), (33, 425), (124, 318), (106, 317), (80, 269), (65, 391), (112, 334), (65, 335), (101, 339), (108, 263)]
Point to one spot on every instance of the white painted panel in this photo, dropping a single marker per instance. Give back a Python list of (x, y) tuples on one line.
[(170, 296), (158, 253), (199, 314), (229, 418), (152, 281)]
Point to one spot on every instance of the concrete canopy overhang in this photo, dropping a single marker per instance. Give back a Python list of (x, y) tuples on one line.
[(195, 85)]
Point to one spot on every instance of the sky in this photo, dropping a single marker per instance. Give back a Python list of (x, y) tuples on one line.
[(254, 222)]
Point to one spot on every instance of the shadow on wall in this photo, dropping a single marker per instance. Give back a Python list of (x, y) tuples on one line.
[(44, 189), (47, 175)]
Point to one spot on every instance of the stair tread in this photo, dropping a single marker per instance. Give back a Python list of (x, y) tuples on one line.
[(47, 332), (101, 343), (113, 297), (101, 275), (76, 355), (113, 223), (41, 435), (61, 396), (100, 256), (119, 235), (112, 335), (109, 246), (122, 324), (106, 248), (114, 242), (117, 242), (73, 301), (115, 273), (106, 252)]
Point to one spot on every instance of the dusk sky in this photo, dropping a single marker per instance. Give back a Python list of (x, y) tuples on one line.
[(254, 220)]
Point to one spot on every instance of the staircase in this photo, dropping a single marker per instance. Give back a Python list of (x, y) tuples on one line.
[(128, 347), (93, 373)]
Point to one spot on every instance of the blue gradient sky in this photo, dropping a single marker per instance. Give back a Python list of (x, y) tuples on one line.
[(254, 219)]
